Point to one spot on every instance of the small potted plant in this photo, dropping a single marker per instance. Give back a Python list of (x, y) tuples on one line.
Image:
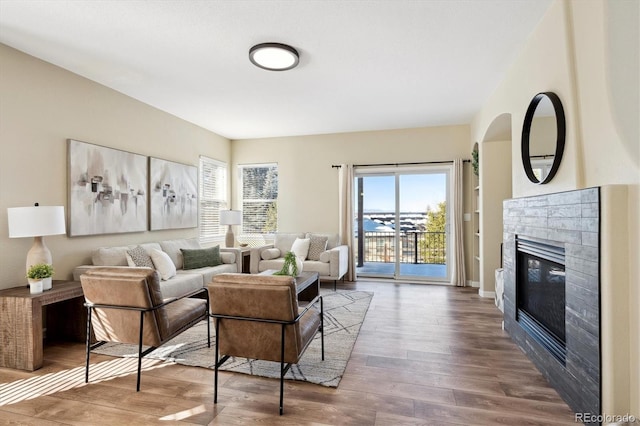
[(39, 276), (292, 265)]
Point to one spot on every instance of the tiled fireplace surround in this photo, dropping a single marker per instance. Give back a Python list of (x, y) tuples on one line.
[(571, 220)]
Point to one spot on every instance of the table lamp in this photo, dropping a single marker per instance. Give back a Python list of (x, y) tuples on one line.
[(36, 221), (230, 217)]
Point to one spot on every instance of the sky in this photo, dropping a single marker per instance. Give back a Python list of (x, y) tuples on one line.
[(417, 191)]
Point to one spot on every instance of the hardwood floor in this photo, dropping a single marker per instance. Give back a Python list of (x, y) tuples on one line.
[(426, 355)]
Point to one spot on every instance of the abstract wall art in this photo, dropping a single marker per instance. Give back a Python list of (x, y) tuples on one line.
[(173, 195), (107, 190)]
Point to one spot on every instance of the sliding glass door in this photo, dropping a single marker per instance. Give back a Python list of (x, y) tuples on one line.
[(402, 223)]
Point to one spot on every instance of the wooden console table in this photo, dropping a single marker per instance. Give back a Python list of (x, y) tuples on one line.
[(21, 315)]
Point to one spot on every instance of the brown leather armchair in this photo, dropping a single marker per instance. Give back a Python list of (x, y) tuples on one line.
[(258, 317), (126, 305)]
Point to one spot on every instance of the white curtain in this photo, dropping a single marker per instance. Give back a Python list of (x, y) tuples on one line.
[(458, 277), (345, 181)]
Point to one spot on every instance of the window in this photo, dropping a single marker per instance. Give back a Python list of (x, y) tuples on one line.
[(213, 198), (259, 184)]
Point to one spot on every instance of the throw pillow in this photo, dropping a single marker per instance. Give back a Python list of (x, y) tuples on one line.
[(110, 256), (130, 261), (140, 257), (272, 253), (325, 257), (200, 258), (317, 245), (300, 248), (163, 263)]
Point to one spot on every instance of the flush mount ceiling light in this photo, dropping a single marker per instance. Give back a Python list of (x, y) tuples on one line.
[(274, 56)]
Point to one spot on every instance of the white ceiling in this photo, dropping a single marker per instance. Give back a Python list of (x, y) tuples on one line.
[(364, 65)]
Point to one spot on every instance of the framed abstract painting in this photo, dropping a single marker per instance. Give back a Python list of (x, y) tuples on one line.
[(107, 190), (173, 195)]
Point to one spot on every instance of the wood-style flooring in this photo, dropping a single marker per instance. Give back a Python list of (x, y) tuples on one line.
[(426, 355)]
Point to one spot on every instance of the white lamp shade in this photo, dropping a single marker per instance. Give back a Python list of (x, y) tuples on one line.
[(230, 217), (36, 221)]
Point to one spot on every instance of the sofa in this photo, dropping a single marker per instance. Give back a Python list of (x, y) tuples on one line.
[(167, 258), (324, 254)]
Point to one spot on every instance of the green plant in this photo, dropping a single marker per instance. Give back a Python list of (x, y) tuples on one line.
[(474, 161), (290, 267), (40, 271)]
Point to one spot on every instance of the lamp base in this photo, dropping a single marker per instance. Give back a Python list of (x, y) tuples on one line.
[(38, 253), (230, 239)]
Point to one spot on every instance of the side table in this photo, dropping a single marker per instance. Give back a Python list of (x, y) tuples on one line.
[(245, 252), (21, 314), (242, 253)]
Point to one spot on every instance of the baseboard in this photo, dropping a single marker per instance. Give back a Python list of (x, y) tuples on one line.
[(474, 284), (491, 294)]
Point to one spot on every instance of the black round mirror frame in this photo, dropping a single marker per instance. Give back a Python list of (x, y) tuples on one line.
[(526, 130)]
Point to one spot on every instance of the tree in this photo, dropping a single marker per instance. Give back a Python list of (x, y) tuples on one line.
[(271, 222), (433, 246), (437, 220)]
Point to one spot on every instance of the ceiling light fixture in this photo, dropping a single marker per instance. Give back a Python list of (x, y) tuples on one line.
[(274, 56)]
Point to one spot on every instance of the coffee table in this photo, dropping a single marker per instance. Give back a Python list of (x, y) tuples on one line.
[(307, 284)]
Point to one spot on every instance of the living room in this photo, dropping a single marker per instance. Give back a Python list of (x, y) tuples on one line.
[(578, 50)]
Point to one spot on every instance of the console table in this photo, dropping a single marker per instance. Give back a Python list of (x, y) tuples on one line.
[(21, 315)]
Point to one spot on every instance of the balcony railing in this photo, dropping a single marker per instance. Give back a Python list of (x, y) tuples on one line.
[(415, 247)]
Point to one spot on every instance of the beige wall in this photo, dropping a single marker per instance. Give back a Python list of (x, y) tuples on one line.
[(495, 187), (634, 298), (586, 52), (42, 106), (581, 50), (542, 140), (542, 66), (308, 191)]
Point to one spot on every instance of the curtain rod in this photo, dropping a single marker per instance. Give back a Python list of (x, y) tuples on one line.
[(337, 166)]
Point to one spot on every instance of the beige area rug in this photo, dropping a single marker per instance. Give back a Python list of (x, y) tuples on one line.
[(344, 312)]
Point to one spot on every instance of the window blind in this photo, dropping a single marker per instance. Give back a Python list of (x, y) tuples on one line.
[(213, 198), (259, 198)]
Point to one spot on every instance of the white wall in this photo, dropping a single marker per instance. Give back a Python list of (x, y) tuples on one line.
[(587, 52), (42, 106)]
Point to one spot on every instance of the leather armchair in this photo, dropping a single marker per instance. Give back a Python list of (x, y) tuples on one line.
[(258, 317), (126, 305)]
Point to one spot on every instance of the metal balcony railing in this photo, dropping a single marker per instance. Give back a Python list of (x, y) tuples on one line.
[(416, 247)]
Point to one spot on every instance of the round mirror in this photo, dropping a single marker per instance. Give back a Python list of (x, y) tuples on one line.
[(543, 135)]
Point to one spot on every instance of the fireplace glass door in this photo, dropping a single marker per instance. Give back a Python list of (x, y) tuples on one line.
[(540, 294)]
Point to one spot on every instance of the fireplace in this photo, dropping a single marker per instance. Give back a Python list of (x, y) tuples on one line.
[(540, 294), (551, 275)]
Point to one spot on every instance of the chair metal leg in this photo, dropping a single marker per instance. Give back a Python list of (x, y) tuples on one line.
[(140, 351), (215, 374), (208, 325), (86, 369), (219, 362), (335, 283), (322, 326), (282, 371)]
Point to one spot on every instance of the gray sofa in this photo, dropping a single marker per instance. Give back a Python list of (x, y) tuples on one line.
[(184, 281), (331, 263)]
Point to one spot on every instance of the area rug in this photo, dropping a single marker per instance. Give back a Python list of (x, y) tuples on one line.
[(344, 312)]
